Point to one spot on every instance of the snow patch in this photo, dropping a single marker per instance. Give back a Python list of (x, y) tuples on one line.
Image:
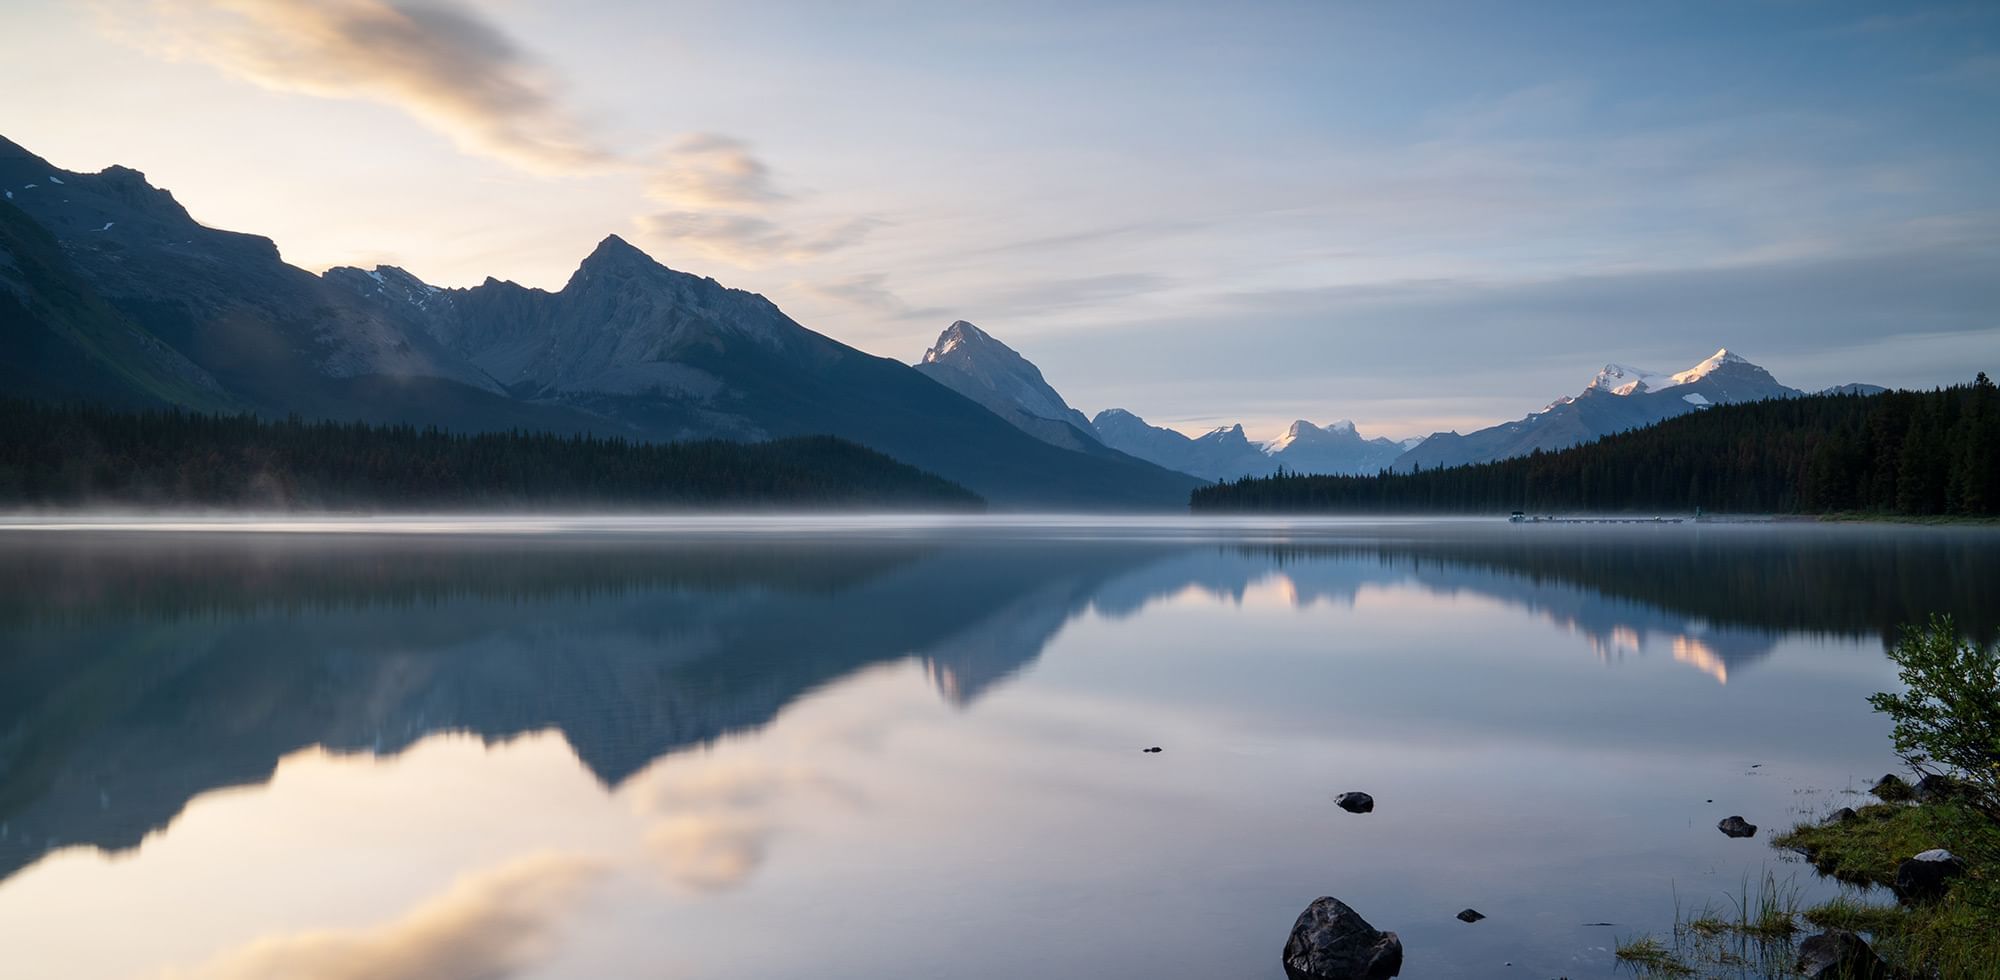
[(53, 179), (1694, 398), (1708, 367), (1622, 379), (107, 226)]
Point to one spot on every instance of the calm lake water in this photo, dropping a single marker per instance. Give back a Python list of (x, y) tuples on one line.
[(883, 748)]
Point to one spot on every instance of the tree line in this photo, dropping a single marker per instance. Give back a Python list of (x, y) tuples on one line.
[(1895, 453), (71, 455)]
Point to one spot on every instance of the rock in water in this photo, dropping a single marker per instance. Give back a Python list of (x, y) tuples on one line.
[(1737, 827), (1839, 955), (1151, 750), (1470, 915), (1332, 942), (1355, 802), (1838, 817), (1890, 788), (1923, 877)]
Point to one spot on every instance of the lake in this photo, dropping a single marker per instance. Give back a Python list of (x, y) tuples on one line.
[(912, 747)]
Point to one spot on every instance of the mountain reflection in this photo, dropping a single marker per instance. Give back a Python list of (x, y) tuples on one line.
[(141, 671)]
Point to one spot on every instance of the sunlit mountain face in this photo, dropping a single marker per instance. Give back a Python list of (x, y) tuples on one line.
[(744, 705)]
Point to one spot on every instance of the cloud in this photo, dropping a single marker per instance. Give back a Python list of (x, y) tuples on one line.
[(442, 63), (870, 291), (710, 852), (713, 826), (451, 68), (749, 238), (486, 926), (708, 170), (1060, 294), (1920, 313)]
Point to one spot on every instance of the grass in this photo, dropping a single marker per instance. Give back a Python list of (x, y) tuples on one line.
[(1854, 915), (1751, 937), (1956, 936), (1650, 957)]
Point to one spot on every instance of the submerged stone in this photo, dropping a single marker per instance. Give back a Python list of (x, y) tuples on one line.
[(1737, 827), (1470, 915), (1839, 955)]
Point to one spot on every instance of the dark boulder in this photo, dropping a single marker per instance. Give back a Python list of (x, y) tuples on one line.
[(1152, 749), (1890, 789), (1924, 877), (1332, 942), (1838, 817), (1737, 827), (1470, 915), (1935, 788), (1839, 955), (1355, 802)]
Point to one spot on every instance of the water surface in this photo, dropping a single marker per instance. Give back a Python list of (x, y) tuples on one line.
[(902, 748)]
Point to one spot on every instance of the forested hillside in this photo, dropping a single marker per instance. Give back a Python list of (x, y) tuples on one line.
[(1896, 453), (70, 456)]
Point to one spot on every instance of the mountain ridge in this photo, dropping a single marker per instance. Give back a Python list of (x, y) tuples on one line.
[(627, 347)]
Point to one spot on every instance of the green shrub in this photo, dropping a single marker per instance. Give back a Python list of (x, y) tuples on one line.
[(1949, 717)]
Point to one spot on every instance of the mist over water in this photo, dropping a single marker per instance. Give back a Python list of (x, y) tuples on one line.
[(892, 746)]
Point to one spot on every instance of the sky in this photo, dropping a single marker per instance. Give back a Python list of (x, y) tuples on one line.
[(1419, 216)]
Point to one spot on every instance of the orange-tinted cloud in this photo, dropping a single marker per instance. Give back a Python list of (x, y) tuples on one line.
[(487, 926), (443, 64)]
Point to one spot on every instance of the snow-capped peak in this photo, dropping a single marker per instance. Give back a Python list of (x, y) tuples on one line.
[(1707, 367), (1621, 379)]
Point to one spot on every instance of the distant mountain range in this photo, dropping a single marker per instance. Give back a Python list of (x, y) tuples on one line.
[(111, 292), (973, 363), (1618, 399)]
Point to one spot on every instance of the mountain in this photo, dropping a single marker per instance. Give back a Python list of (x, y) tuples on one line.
[(1225, 453), (1618, 398), (137, 303), (1335, 449), (969, 361)]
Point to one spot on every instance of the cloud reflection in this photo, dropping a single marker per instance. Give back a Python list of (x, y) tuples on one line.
[(485, 927)]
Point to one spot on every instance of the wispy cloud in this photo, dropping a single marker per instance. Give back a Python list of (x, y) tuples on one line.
[(715, 824), (488, 926), (456, 71), (445, 65), (870, 292), (711, 170), (747, 237)]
